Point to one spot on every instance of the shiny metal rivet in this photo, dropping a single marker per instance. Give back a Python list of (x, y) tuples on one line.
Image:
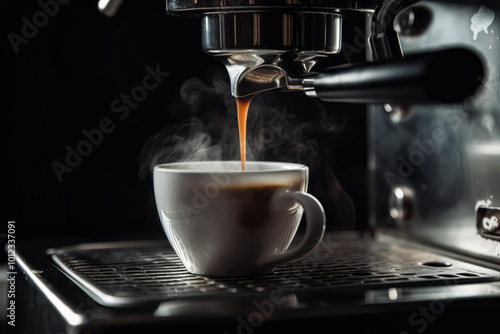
[(401, 204), (397, 113)]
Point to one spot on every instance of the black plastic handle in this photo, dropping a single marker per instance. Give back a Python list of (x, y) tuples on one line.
[(447, 76)]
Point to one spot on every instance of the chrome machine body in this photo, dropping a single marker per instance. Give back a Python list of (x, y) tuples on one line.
[(275, 44)]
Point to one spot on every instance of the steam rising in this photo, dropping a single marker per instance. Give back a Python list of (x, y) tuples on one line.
[(186, 141), (277, 130)]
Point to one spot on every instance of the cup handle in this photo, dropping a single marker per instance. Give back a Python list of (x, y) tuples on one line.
[(315, 229)]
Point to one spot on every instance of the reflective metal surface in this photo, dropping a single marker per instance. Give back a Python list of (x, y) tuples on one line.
[(448, 155), (287, 35), (193, 6), (384, 39), (352, 281), (275, 44), (445, 76), (414, 21), (402, 204), (180, 6), (288, 43), (128, 274)]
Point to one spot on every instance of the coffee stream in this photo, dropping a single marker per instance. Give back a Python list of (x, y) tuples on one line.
[(242, 104)]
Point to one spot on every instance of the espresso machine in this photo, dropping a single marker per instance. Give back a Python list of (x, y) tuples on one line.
[(428, 259)]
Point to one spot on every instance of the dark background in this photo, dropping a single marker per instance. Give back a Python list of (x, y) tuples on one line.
[(63, 81)]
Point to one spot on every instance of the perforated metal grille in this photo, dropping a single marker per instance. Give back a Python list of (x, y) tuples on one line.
[(138, 273)]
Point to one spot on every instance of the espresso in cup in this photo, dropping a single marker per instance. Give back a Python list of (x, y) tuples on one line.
[(223, 221), (253, 202)]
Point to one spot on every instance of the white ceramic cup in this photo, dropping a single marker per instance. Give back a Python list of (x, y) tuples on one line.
[(223, 221)]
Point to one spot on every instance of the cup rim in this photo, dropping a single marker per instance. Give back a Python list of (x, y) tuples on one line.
[(283, 166)]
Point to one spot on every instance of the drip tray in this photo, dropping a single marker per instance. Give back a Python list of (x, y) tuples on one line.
[(130, 273)]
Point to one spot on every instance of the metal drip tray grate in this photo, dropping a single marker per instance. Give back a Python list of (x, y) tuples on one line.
[(120, 274)]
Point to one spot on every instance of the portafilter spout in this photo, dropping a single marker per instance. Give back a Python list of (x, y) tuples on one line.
[(267, 44), (267, 49), (270, 44)]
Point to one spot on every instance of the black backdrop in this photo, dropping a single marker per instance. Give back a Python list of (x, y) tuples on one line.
[(61, 78)]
